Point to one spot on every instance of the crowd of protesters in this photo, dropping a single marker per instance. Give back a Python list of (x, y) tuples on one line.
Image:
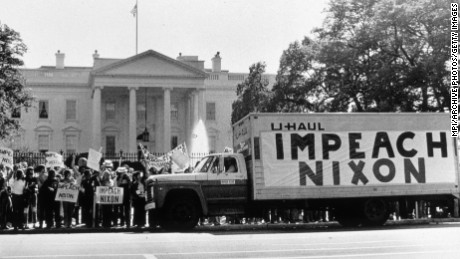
[(28, 196)]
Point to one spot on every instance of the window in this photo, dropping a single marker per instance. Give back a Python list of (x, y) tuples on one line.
[(230, 165), (16, 114), (174, 141), (71, 144), (110, 145), (43, 142), (141, 112), (71, 110), (110, 110), (204, 165), (211, 111), (212, 144), (174, 112), (43, 109)]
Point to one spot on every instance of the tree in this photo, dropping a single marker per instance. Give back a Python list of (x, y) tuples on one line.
[(292, 91), (252, 94), (13, 94), (376, 55)]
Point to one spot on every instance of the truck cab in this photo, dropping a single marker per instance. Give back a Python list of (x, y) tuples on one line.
[(218, 185)]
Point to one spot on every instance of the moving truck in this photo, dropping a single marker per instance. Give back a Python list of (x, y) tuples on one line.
[(358, 165)]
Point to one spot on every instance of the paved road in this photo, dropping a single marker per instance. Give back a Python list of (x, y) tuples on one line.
[(421, 241)]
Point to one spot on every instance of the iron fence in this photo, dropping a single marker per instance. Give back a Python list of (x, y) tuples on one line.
[(38, 158)]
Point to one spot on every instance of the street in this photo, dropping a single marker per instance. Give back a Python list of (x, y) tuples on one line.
[(420, 241)]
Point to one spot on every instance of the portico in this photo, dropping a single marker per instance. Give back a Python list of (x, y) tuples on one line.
[(168, 92)]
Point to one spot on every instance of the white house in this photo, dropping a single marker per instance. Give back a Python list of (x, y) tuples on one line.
[(113, 103)]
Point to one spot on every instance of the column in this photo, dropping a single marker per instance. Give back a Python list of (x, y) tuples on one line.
[(188, 129), (166, 119), (132, 131), (158, 125), (96, 134), (195, 109)]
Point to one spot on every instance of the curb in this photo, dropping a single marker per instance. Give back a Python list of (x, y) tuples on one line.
[(225, 227)]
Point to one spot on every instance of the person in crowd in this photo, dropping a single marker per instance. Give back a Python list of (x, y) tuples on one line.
[(78, 171), (107, 210), (42, 176), (138, 199), (96, 180), (23, 165), (30, 197), (68, 206), (6, 206), (17, 192), (50, 206), (124, 210), (86, 199)]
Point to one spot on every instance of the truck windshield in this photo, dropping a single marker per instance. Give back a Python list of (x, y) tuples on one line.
[(204, 164)]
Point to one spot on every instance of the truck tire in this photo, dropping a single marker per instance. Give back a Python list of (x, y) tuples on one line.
[(376, 212), (180, 214), (349, 216)]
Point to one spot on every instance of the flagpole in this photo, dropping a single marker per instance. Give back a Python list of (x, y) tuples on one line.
[(137, 17)]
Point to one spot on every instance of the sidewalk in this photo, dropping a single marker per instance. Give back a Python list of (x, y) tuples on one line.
[(225, 227)]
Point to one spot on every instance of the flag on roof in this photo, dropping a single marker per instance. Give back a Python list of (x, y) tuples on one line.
[(134, 11)]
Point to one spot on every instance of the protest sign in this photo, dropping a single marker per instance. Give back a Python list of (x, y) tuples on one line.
[(53, 159), (153, 161), (179, 156), (6, 157), (67, 192), (109, 195), (93, 159)]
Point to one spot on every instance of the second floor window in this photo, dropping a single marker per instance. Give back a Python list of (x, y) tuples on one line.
[(43, 109), (71, 110)]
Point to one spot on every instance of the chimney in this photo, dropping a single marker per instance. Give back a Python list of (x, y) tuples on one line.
[(216, 64), (95, 55), (60, 60)]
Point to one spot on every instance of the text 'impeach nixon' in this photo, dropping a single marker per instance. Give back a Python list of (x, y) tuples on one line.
[(380, 148)]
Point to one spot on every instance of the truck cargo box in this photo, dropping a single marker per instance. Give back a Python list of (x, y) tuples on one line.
[(339, 155)]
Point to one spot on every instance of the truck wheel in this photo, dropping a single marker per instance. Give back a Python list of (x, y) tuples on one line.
[(348, 217), (180, 214), (376, 212), (349, 214)]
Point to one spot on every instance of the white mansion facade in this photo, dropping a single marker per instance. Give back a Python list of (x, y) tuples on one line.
[(113, 102)]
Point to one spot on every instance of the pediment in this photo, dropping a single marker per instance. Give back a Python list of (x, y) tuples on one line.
[(149, 64), (71, 129), (43, 128)]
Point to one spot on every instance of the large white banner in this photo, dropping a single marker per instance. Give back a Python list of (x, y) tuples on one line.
[(302, 158)]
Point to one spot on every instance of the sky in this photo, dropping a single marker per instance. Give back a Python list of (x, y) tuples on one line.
[(243, 31)]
